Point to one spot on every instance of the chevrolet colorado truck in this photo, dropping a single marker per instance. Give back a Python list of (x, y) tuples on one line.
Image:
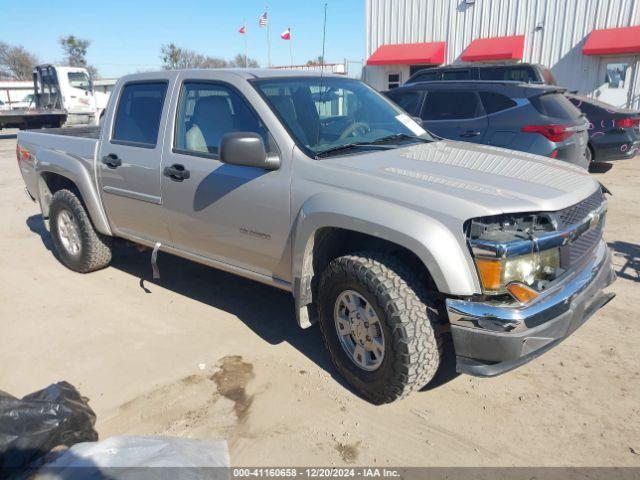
[(387, 237)]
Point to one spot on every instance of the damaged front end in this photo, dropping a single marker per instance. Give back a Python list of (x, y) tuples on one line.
[(542, 276)]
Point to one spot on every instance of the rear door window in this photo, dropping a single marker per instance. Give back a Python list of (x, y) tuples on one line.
[(409, 101), (555, 105), (451, 105), (138, 116), (496, 102)]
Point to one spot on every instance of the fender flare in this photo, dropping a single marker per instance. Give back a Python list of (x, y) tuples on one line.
[(443, 255), (72, 168)]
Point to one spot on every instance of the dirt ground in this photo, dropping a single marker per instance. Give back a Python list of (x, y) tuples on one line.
[(200, 353)]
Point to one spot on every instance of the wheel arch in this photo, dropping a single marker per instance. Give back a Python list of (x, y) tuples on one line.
[(330, 225), (56, 171)]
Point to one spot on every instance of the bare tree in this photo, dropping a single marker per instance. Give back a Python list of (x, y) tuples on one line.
[(16, 63), (316, 61), (75, 50), (176, 58), (238, 61)]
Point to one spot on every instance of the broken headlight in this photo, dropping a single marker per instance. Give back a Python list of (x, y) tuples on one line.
[(508, 257)]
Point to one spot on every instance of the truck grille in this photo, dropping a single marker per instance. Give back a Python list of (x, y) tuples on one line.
[(578, 212), (573, 253)]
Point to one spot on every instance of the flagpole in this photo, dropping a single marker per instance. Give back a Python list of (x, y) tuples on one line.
[(290, 48), (266, 9), (246, 50)]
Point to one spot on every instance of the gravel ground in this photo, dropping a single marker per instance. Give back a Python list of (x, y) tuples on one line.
[(200, 353)]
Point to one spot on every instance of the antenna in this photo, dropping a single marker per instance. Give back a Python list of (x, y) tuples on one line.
[(324, 38)]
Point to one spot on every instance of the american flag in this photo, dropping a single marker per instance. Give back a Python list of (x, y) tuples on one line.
[(262, 21)]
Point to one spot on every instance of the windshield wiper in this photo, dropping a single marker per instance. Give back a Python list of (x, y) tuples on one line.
[(348, 146), (378, 142), (398, 136)]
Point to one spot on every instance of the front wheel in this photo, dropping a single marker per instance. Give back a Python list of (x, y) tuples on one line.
[(378, 325), (79, 246)]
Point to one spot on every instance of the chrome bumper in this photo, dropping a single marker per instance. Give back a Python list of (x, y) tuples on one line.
[(490, 339)]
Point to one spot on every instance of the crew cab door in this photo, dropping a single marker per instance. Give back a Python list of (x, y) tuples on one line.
[(457, 115), (130, 156), (237, 215)]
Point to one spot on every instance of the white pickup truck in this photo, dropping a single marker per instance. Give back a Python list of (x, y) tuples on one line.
[(387, 237)]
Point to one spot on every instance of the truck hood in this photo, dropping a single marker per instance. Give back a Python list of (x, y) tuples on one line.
[(466, 180)]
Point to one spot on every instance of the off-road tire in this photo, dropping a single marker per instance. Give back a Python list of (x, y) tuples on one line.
[(95, 251), (413, 343)]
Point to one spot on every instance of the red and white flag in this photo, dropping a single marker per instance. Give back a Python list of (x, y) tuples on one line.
[(286, 35), (262, 21), (242, 30)]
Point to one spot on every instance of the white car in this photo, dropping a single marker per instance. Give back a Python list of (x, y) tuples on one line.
[(26, 102), (3, 106)]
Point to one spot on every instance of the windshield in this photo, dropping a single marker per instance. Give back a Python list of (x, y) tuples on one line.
[(327, 114), (79, 80)]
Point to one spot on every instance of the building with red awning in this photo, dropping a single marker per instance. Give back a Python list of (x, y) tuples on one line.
[(587, 49)]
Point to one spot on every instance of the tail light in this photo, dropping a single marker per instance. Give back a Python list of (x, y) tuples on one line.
[(627, 122), (22, 154), (555, 133)]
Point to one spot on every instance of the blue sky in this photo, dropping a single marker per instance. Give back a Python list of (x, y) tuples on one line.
[(126, 35)]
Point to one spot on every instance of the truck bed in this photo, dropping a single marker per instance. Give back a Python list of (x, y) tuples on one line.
[(29, 118), (84, 132)]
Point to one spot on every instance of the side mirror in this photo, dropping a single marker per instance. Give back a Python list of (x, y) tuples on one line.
[(246, 148)]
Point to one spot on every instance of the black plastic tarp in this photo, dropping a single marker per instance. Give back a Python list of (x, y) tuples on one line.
[(30, 427)]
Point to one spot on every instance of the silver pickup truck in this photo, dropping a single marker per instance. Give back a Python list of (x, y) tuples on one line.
[(390, 239)]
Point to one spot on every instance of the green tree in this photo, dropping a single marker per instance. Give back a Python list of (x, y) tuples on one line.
[(75, 50)]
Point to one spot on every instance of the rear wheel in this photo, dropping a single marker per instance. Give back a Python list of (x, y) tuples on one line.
[(378, 325), (79, 246)]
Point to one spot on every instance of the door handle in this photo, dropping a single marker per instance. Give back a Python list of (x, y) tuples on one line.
[(176, 172), (111, 160), (470, 133)]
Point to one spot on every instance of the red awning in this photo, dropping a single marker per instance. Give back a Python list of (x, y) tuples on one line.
[(409, 54), (496, 48), (613, 41)]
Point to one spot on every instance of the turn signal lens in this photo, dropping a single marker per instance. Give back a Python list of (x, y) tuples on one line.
[(521, 292), (490, 273)]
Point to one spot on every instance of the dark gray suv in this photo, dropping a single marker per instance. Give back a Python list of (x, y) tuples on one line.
[(531, 118)]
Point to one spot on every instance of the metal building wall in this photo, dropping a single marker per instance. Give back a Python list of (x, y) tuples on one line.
[(565, 26)]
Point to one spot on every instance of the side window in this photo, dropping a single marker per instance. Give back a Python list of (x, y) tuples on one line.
[(139, 112), (393, 80), (209, 111), (408, 101), (514, 74), (457, 74), (496, 102), (451, 105), (426, 77)]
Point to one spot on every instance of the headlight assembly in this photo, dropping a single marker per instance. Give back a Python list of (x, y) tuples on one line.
[(496, 273), (509, 258)]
